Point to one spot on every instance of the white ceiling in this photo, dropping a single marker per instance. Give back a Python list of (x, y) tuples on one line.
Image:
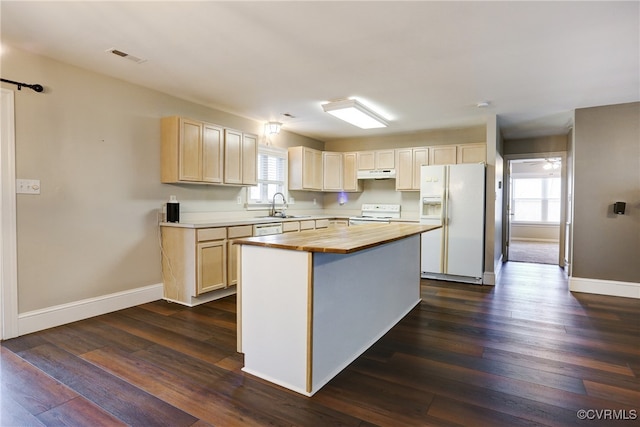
[(423, 64)]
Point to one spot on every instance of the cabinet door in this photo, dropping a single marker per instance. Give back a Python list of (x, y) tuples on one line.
[(311, 169), (442, 155), (332, 171), (232, 251), (404, 169), (232, 157), (472, 153), (385, 159), (212, 153), (420, 158), (350, 172), (190, 142), (366, 160), (317, 170), (249, 159), (211, 266)]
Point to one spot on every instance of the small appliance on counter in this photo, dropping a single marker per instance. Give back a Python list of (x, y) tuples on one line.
[(173, 210), (376, 213)]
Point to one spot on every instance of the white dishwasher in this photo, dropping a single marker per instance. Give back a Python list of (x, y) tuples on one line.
[(267, 229)]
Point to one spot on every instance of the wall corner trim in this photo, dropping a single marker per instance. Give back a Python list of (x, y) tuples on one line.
[(605, 287), (38, 320)]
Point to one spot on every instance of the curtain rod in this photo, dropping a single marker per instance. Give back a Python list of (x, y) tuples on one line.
[(36, 87)]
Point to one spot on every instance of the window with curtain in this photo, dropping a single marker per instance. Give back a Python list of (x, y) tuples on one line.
[(272, 175), (536, 200)]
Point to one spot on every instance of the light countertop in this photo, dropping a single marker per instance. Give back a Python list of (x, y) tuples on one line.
[(228, 222)]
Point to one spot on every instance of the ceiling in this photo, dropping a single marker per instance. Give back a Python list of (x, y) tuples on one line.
[(423, 65)]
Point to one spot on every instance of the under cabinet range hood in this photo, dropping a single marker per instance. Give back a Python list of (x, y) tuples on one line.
[(377, 174)]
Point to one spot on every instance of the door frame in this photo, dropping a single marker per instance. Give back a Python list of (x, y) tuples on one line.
[(8, 250), (506, 218)]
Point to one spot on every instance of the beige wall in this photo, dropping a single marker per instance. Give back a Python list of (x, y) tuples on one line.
[(550, 233), (607, 169), (93, 142), (493, 199), (545, 144), (445, 136)]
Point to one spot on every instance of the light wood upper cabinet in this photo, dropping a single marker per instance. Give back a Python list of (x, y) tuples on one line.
[(378, 159), (332, 171), (249, 159), (385, 159), (212, 151), (408, 162), (472, 153), (191, 151), (366, 160), (197, 152), (420, 158), (232, 156), (404, 170), (305, 169), (350, 181), (443, 155)]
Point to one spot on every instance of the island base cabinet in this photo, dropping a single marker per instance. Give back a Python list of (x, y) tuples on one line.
[(300, 329)]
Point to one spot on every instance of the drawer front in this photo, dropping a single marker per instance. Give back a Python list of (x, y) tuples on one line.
[(290, 226), (205, 234), (240, 231), (307, 225), (322, 223)]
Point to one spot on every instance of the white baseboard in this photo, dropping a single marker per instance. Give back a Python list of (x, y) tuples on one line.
[(605, 287), (491, 278), (38, 320)]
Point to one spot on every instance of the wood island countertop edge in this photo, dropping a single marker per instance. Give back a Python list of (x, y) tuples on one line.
[(339, 241)]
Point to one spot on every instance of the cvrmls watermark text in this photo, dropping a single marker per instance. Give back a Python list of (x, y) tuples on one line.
[(607, 414)]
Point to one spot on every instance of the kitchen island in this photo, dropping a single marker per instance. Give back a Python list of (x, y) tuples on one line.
[(312, 302)]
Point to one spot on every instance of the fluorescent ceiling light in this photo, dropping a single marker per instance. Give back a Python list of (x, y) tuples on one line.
[(353, 112)]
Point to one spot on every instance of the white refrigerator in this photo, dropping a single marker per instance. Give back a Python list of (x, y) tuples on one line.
[(453, 196)]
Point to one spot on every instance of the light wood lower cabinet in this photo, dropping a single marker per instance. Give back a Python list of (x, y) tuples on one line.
[(198, 261), (236, 232), (211, 266), (290, 226)]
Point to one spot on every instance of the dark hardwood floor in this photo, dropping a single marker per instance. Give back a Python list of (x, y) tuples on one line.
[(525, 352)]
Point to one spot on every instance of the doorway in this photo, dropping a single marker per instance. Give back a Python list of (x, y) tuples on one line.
[(535, 209), (8, 249)]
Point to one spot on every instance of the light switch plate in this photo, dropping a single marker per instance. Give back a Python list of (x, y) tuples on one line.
[(28, 186)]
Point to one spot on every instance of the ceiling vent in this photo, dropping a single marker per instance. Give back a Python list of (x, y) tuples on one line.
[(126, 55)]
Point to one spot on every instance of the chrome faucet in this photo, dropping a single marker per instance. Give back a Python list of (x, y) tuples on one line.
[(272, 212)]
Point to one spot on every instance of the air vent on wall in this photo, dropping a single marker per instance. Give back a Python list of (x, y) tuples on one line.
[(126, 55)]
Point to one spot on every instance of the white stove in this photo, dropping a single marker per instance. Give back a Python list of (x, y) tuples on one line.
[(376, 213)]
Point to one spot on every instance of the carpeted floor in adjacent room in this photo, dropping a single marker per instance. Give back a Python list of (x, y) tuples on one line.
[(533, 252)]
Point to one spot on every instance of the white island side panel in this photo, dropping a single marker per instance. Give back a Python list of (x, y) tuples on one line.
[(275, 301), (357, 298)]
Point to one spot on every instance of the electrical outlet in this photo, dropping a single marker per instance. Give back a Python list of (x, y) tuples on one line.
[(239, 200), (314, 201), (292, 201), (28, 186)]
